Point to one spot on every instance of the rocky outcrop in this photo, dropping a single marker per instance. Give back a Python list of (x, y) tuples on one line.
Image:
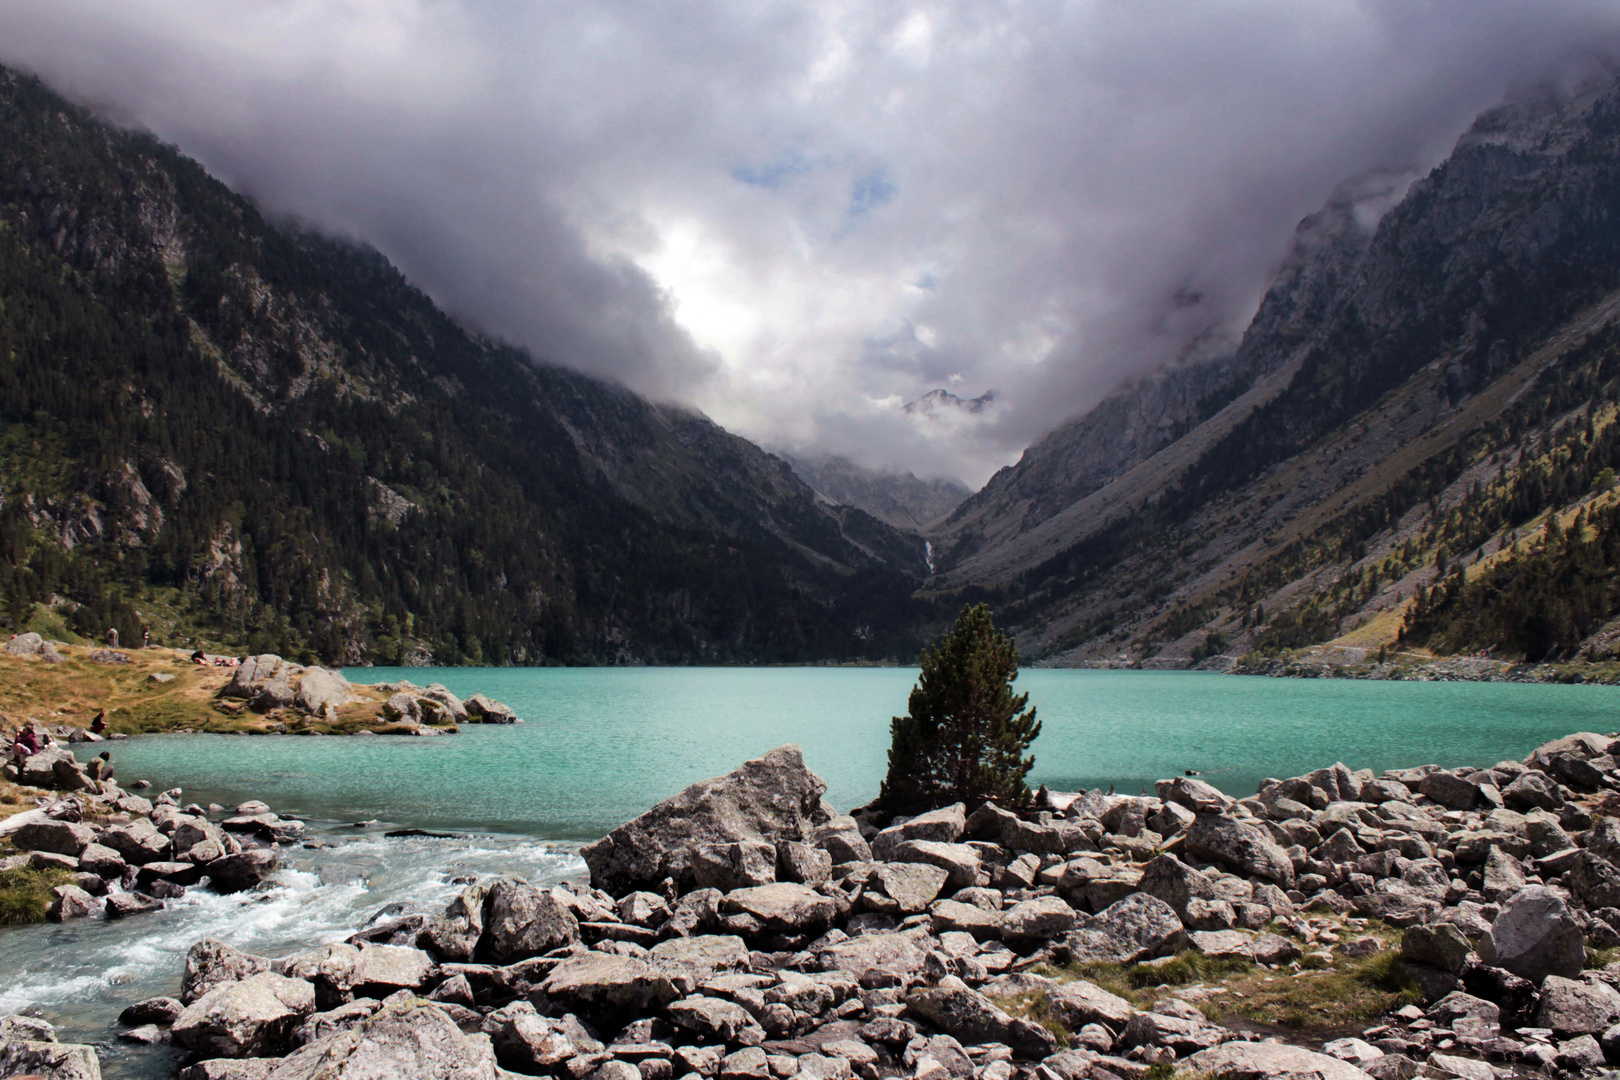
[(268, 682), (771, 799), (28, 1047)]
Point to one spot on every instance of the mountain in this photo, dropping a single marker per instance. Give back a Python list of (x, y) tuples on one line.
[(235, 430), (1430, 374), (900, 499), (942, 402)]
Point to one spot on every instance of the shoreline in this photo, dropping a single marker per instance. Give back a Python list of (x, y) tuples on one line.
[(1092, 937)]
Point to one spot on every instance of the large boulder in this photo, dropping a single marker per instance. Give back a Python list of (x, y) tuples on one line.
[(40, 770), (521, 921), (772, 798), (1239, 845), (1074, 1004), (876, 960), (28, 1047), (408, 1039), (139, 842), (242, 871), (944, 826), (607, 981), (488, 711), (252, 1018), (1176, 883), (60, 837), (1535, 936), (1264, 1060), (211, 963), (784, 906), (970, 1017), (1139, 927), (1572, 1008), (321, 689)]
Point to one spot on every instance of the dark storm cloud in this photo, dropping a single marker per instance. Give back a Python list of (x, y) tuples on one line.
[(798, 215)]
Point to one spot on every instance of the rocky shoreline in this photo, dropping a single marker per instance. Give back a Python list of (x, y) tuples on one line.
[(745, 931)]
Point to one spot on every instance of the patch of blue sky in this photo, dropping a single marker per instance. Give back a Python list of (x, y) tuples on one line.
[(871, 191), (774, 173)]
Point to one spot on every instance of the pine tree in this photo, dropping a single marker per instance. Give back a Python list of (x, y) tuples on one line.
[(965, 733)]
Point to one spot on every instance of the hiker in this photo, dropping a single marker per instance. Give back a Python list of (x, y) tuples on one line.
[(112, 637), (100, 767), (146, 637), (98, 726), (24, 746)]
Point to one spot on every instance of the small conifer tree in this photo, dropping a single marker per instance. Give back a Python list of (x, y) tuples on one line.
[(965, 734)]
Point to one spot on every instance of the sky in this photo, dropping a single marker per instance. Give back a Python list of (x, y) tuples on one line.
[(797, 215)]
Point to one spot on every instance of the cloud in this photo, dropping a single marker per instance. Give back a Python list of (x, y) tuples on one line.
[(798, 214)]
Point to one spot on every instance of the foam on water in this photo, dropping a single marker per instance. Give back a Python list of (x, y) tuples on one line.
[(82, 974)]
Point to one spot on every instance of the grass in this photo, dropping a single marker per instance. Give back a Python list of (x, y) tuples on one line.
[(72, 692), (1036, 1007), (25, 893), (1601, 958), (1357, 992)]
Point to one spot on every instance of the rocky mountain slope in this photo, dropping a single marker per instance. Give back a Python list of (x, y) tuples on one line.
[(219, 425), (901, 499), (1401, 388)]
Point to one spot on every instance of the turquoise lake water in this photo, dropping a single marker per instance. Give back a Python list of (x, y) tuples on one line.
[(600, 745)]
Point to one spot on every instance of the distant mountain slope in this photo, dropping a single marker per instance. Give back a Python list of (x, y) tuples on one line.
[(1384, 374), (235, 429), (902, 500)]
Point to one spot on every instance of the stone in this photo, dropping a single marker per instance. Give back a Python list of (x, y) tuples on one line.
[(913, 886), (1450, 790), (841, 838), (738, 865), (158, 1010), (39, 770), (121, 905), (1573, 1008), (57, 837), (748, 1063), (528, 1042), (716, 1020), (410, 1038), (1199, 796), (1217, 943), (211, 963), (785, 906), (945, 825), (454, 935), (1579, 1054), (487, 710), (1456, 1005), (961, 862), (242, 871), (970, 1017), (102, 861), (875, 960), (1454, 1067), (1262, 1060), (773, 798), (1139, 927), (28, 1048), (1532, 790), (1239, 845), (1355, 1051), (604, 980), (1439, 945), (138, 842), (69, 902), (521, 921), (800, 862), (1039, 919), (321, 689), (1075, 1003), (1176, 883), (707, 953), (1594, 880), (1535, 936), (953, 916), (1181, 1034), (252, 1018)]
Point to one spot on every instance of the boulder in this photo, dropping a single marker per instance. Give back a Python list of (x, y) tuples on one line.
[(211, 963), (786, 906), (530, 1043), (242, 871), (454, 935), (705, 953), (453, 707), (28, 644), (40, 770), (1532, 790), (740, 865), (944, 825), (841, 838), (252, 1018), (321, 689), (716, 1020), (521, 921), (28, 1048), (970, 1017), (1263, 1060), (69, 902), (1239, 845), (773, 798), (1139, 927), (604, 980), (407, 1039), (1450, 790), (138, 842), (800, 862), (1040, 919), (952, 915), (1535, 936), (1594, 880), (58, 837), (489, 711), (1573, 1008), (913, 886), (1439, 945), (1176, 883), (875, 960), (961, 862), (1074, 1004), (1196, 795)]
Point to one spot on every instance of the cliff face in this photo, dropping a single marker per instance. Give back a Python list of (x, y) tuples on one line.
[(902, 500), (230, 427), (1402, 339)]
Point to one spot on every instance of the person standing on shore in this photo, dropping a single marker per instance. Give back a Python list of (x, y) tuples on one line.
[(146, 637), (112, 637)]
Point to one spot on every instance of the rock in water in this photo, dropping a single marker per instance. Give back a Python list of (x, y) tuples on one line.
[(774, 798), (28, 1047)]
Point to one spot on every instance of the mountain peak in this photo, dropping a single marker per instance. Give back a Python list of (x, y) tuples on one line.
[(938, 401)]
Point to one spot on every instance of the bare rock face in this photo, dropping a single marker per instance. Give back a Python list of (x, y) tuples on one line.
[(771, 799)]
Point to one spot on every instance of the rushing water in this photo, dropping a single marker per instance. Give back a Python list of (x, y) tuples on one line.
[(600, 745)]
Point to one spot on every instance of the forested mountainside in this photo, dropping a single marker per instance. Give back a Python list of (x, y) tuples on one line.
[(230, 429), (1376, 464)]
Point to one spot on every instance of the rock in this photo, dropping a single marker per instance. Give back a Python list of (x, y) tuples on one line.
[(1457, 1005), (454, 935), (944, 825), (1458, 1068), (252, 1018), (211, 963), (1532, 790), (69, 902), (1196, 795), (1355, 1051), (242, 871), (802, 863), (604, 980), (1181, 1034), (28, 644), (786, 906), (28, 1048), (951, 915), (876, 960), (1572, 1008), (911, 885), (486, 710), (158, 1010), (59, 837), (1075, 1003), (1440, 945), (1579, 1054), (772, 799), (40, 769), (1241, 846), (321, 689), (521, 921), (716, 1020), (961, 862), (1450, 790), (749, 1063), (706, 953), (1138, 927), (969, 1016), (122, 905), (1263, 1060), (1535, 936), (740, 865), (407, 1039), (841, 838), (1041, 919), (531, 1043), (139, 842), (1176, 883), (1594, 880)]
